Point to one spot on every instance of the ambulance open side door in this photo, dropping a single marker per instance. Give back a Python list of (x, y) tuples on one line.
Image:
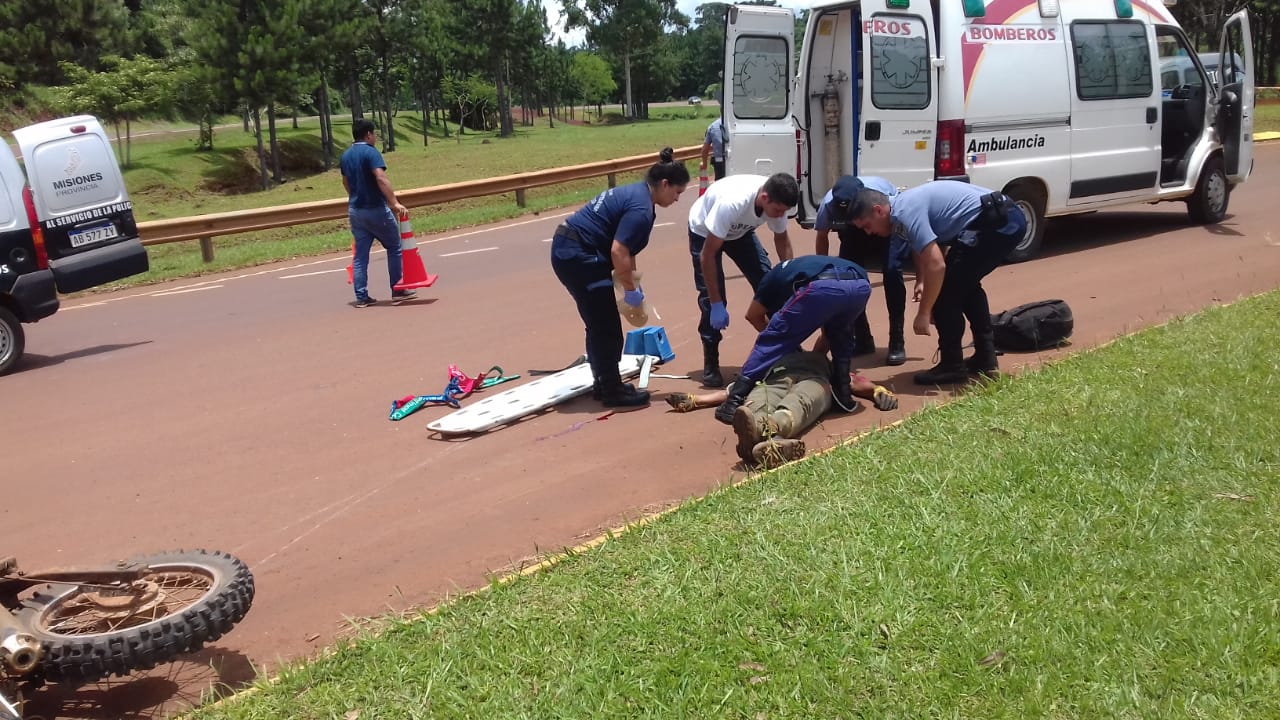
[(897, 137), (758, 83), (1235, 97)]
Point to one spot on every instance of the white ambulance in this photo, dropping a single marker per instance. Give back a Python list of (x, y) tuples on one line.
[(1063, 106)]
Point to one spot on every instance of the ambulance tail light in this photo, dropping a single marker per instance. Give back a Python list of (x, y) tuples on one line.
[(37, 233), (950, 159)]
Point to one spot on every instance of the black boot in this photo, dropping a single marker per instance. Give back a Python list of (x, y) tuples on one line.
[(897, 347), (737, 395), (711, 376), (947, 372), (841, 387), (623, 395), (983, 361), (597, 394), (864, 343)]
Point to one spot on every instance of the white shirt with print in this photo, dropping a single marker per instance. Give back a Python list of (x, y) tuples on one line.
[(728, 209)]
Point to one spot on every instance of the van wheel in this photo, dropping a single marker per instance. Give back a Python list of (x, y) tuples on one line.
[(1209, 204), (12, 340), (1031, 201)]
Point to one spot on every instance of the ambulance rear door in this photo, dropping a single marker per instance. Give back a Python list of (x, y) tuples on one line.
[(758, 84), (1235, 98), (898, 127)]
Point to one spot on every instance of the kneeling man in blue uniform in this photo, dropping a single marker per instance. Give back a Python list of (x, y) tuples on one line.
[(793, 300)]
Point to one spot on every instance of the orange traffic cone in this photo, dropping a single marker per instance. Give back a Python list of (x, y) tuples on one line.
[(703, 182), (351, 269), (415, 273)]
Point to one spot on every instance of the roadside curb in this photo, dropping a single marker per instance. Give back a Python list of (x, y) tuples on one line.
[(1266, 136)]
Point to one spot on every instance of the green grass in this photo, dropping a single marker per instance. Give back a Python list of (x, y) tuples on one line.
[(1093, 540), (167, 178), (1266, 117)]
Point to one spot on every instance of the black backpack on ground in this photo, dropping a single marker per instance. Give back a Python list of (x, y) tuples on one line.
[(1033, 326)]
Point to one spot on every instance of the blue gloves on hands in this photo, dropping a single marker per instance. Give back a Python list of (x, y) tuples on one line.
[(719, 316), (634, 298)]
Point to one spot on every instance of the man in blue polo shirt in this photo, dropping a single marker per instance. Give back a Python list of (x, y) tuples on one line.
[(979, 228), (371, 202), (793, 300)]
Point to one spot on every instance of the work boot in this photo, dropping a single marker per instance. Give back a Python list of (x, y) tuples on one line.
[(749, 429), (841, 387), (781, 422), (864, 344), (711, 376), (737, 395), (949, 371), (623, 395), (775, 451), (897, 347), (983, 361), (596, 393)]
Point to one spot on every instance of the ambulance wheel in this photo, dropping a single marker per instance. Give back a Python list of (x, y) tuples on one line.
[(12, 340), (1209, 203), (1031, 200)]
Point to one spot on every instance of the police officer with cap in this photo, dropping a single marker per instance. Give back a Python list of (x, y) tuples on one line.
[(793, 300), (978, 228), (833, 215)]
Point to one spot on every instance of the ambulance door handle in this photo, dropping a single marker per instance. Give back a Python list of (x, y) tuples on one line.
[(873, 130), (1152, 116)]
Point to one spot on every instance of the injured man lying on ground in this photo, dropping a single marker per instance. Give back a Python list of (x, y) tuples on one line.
[(793, 396)]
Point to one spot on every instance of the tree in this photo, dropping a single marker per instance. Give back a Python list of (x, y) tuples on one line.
[(624, 28), (124, 90), (42, 38), (594, 79)]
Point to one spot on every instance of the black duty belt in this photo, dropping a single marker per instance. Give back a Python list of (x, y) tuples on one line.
[(836, 274), (568, 232)]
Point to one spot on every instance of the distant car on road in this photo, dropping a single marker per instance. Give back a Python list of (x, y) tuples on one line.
[(695, 100)]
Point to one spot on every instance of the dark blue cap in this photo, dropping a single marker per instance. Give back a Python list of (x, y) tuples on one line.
[(843, 194)]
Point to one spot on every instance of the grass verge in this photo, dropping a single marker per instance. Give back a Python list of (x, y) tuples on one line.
[(1096, 539)]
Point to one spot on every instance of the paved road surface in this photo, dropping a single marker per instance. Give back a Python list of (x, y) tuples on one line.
[(248, 412)]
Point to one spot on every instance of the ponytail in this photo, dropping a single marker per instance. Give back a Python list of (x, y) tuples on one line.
[(675, 173)]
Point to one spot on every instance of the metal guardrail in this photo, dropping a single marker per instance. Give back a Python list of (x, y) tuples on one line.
[(206, 227)]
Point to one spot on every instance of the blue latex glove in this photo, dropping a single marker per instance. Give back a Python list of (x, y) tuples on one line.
[(719, 316), (634, 298)]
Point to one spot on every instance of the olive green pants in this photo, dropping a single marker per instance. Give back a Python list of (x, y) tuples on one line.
[(795, 394)]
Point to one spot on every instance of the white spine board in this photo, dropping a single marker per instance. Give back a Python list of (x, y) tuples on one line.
[(529, 398)]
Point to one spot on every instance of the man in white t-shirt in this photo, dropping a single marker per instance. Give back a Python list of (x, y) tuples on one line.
[(724, 222)]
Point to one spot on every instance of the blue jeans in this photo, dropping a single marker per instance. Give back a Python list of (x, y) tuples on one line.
[(368, 224)]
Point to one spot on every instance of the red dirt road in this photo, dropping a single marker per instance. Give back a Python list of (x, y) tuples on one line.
[(248, 412)]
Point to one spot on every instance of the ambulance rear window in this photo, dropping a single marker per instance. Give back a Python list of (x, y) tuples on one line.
[(760, 84), (74, 172), (899, 62)]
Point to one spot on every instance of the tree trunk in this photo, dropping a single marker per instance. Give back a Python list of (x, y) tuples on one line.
[(119, 145), (326, 124), (128, 141), (354, 85), (295, 117), (276, 173), (505, 128), (206, 132), (389, 139), (262, 155), (626, 69), (244, 115)]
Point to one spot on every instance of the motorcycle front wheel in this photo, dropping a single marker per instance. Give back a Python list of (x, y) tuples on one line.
[(183, 600)]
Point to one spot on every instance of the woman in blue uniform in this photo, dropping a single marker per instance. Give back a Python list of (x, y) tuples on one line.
[(599, 240)]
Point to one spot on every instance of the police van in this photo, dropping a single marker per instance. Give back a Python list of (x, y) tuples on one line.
[(67, 225), (1060, 105)]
